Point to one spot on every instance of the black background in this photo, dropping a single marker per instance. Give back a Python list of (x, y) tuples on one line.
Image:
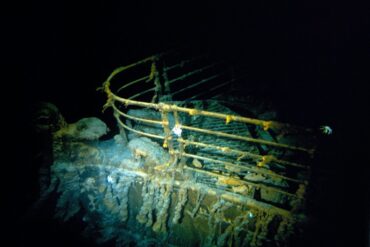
[(312, 55)]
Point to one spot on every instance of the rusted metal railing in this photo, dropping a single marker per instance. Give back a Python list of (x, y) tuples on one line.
[(177, 144)]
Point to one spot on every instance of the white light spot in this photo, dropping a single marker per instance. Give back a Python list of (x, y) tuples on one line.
[(110, 179), (326, 130), (177, 130), (90, 181), (250, 215)]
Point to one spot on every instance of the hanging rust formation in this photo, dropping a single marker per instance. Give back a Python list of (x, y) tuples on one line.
[(218, 159)]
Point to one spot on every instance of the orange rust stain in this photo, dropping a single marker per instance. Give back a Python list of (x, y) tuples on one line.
[(229, 181)]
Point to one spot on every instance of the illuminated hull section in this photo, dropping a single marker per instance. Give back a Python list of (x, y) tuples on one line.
[(184, 170)]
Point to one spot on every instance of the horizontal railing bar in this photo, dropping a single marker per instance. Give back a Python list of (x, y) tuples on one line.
[(137, 131), (218, 86), (120, 69), (128, 102), (166, 107), (211, 89), (182, 63), (263, 123), (137, 118), (223, 149), (244, 166), (212, 146), (190, 111), (192, 73), (196, 84), (241, 153), (133, 82), (142, 93), (248, 139), (249, 168), (227, 128)]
